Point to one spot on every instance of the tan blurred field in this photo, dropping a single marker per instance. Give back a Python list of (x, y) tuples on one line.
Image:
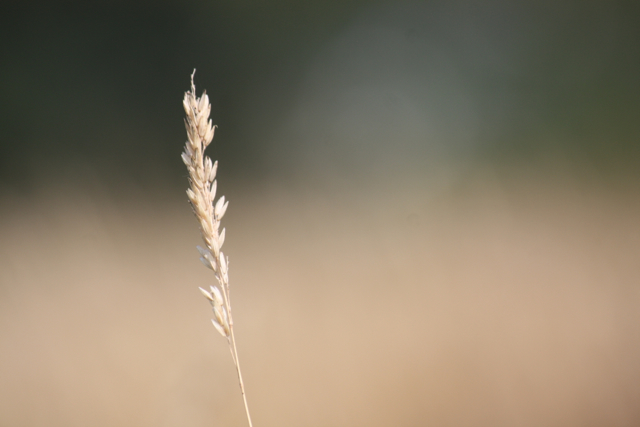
[(494, 303)]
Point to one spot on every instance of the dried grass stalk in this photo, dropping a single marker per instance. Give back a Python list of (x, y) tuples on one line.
[(202, 193)]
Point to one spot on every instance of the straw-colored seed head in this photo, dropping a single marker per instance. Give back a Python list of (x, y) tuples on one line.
[(201, 194)]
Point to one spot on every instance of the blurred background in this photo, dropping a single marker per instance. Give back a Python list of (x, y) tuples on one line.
[(434, 213)]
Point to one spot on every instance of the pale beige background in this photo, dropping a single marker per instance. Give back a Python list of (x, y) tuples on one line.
[(494, 303)]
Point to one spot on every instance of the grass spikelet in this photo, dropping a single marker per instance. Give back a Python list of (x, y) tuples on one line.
[(201, 194)]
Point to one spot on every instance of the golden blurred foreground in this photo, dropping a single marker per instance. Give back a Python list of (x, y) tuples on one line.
[(490, 304)]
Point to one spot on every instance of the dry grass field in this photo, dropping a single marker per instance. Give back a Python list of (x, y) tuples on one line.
[(494, 303)]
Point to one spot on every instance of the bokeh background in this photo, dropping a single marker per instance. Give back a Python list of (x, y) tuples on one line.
[(434, 214)]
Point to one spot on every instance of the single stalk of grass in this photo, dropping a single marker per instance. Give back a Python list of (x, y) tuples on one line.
[(202, 193)]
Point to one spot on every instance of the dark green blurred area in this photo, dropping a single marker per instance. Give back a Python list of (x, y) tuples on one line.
[(102, 83), (97, 86)]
